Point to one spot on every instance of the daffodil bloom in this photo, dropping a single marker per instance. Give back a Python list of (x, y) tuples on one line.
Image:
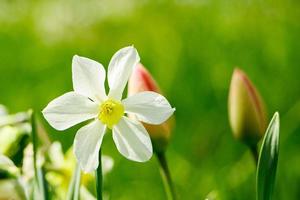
[(89, 101)]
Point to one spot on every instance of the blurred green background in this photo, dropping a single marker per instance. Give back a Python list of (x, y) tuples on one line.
[(191, 47)]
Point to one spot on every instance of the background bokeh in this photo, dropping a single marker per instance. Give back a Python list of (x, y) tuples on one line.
[(191, 47)]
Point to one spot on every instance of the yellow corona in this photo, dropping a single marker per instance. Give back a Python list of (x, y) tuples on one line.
[(111, 111)]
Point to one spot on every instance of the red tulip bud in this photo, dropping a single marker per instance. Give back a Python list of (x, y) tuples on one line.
[(247, 114), (141, 80)]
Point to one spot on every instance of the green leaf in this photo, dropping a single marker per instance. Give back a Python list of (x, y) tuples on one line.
[(74, 186), (39, 173), (267, 163)]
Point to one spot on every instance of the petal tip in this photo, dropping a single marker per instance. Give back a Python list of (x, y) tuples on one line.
[(146, 159), (85, 168), (142, 159), (132, 50), (75, 57), (43, 111)]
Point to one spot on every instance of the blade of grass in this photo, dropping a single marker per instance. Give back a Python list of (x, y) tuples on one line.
[(267, 163), (74, 186), (43, 185), (38, 171)]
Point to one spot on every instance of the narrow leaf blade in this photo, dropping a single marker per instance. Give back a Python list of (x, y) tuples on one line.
[(39, 173), (74, 186), (267, 163)]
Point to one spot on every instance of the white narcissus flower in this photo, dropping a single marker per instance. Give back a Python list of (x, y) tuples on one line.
[(89, 101)]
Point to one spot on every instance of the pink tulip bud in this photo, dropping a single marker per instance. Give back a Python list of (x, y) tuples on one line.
[(247, 114), (141, 80)]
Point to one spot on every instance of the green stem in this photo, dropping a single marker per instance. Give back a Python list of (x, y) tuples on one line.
[(254, 153), (99, 178), (166, 176)]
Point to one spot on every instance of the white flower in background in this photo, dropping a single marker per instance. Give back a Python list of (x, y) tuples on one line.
[(64, 163), (3, 110), (8, 165), (10, 185), (89, 101), (62, 168)]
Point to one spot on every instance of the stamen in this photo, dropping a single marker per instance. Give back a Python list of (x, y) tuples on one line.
[(111, 111)]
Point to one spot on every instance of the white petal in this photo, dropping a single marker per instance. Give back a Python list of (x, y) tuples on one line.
[(69, 110), (87, 144), (119, 70), (149, 107), (6, 161), (88, 78), (132, 140)]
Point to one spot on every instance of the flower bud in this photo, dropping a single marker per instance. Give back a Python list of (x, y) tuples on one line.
[(141, 80), (247, 114)]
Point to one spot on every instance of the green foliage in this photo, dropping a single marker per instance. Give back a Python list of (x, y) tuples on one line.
[(191, 48), (41, 186), (267, 163), (74, 186)]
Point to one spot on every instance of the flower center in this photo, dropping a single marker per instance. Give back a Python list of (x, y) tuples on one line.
[(111, 112)]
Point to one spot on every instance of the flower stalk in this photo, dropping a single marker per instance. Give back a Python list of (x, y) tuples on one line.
[(99, 178), (166, 176)]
